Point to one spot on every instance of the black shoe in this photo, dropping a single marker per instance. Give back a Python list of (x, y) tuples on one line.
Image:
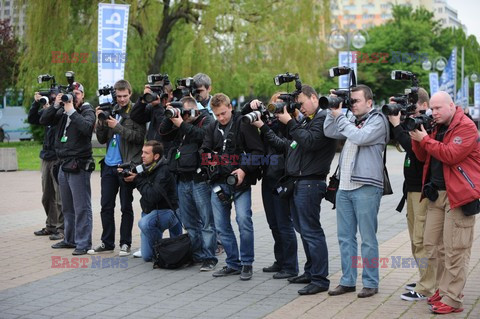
[(283, 275), (273, 268), (312, 289), (367, 292), (247, 272), (77, 252), (302, 279), (63, 244), (340, 290), (208, 265), (56, 236), (226, 271), (42, 232)]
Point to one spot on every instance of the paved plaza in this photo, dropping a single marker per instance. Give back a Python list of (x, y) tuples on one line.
[(32, 285)]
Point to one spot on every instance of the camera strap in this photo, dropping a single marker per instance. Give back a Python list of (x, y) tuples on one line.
[(226, 134)]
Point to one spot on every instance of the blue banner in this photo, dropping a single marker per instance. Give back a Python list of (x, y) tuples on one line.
[(476, 94), (433, 83), (112, 42), (345, 59), (448, 77)]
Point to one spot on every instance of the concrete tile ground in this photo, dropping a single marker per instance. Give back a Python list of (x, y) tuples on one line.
[(31, 288)]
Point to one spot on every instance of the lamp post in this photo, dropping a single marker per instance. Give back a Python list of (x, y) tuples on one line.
[(337, 40), (438, 64)]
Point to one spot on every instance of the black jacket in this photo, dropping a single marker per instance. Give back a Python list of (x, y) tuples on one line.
[(412, 168), (189, 146), (242, 138), (48, 150), (78, 133), (154, 185), (274, 171), (313, 153)]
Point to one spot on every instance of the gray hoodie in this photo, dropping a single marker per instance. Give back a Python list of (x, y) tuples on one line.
[(371, 140)]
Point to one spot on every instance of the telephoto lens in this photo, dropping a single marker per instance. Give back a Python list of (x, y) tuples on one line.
[(276, 107), (232, 179), (172, 112), (43, 100), (251, 117), (150, 97), (330, 102), (67, 98), (391, 109)]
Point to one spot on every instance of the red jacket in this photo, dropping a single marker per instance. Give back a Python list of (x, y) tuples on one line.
[(460, 154)]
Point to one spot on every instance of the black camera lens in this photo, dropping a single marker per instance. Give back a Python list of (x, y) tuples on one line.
[(43, 100), (276, 107), (232, 179), (67, 98), (391, 109), (330, 102), (150, 97)]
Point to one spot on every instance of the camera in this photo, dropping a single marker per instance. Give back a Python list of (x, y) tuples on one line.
[(176, 110), (221, 195), (55, 88), (107, 107), (185, 87), (414, 123), (130, 168), (250, 116), (342, 94), (405, 104), (157, 84), (232, 179), (43, 100), (289, 99)]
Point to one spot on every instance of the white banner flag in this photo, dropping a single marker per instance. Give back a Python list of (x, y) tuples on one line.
[(112, 42), (345, 59)]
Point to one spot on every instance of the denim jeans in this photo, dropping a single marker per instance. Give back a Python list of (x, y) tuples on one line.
[(197, 217), (76, 197), (111, 183), (221, 214), (152, 226), (358, 207), (305, 209), (280, 222)]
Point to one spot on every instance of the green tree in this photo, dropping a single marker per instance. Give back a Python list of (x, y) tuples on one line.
[(9, 49)]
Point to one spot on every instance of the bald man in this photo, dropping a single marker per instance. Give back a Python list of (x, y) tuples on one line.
[(451, 182)]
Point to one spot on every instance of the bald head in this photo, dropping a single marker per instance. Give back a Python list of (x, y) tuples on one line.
[(443, 108)]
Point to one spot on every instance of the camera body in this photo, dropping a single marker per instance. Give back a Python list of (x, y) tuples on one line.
[(415, 123), (157, 83), (289, 99), (107, 107), (130, 168), (50, 93), (342, 94), (250, 116), (406, 104), (185, 87)]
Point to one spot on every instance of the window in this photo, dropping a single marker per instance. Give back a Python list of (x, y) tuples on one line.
[(6, 12), (440, 10)]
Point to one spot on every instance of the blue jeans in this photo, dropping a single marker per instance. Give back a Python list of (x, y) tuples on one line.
[(280, 222), (358, 207), (221, 214), (197, 217), (76, 197), (152, 226), (305, 209)]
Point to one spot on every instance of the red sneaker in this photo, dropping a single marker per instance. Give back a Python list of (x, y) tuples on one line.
[(442, 308), (433, 299)]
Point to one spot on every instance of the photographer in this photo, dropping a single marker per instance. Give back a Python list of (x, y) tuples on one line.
[(124, 138), (309, 154), (155, 185), (361, 186), (186, 131), (236, 143), (153, 112), (75, 121), (51, 200), (452, 164), (203, 87), (416, 205), (276, 208)]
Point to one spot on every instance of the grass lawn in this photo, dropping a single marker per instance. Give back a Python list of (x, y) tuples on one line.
[(28, 151)]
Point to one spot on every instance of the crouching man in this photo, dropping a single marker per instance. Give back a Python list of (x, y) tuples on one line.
[(157, 187)]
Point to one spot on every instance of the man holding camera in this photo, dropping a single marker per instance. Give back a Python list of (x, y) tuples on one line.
[(308, 159), (51, 200), (75, 121), (416, 205), (185, 127), (451, 172), (358, 197), (230, 145), (124, 138), (159, 197)]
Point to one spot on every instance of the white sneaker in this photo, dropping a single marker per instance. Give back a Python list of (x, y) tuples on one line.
[(124, 250), (99, 249), (137, 254)]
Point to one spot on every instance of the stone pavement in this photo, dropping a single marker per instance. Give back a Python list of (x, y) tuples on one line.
[(110, 287)]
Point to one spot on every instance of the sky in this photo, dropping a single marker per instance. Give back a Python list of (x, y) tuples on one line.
[(468, 11)]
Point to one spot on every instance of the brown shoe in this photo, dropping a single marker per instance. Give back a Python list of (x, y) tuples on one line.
[(367, 292), (340, 290)]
